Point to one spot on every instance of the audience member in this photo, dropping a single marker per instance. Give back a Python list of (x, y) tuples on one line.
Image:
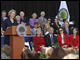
[(58, 53), (33, 20), (48, 52), (3, 17), (62, 38), (74, 39), (22, 17), (42, 19), (5, 52), (46, 27), (38, 40), (56, 26), (71, 56), (68, 30), (18, 19), (24, 53), (49, 21), (33, 31), (33, 55), (50, 38), (22, 22)]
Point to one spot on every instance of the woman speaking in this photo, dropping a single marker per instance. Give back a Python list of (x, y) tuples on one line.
[(7, 23)]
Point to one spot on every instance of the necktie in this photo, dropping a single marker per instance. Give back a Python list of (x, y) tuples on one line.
[(52, 42), (43, 20)]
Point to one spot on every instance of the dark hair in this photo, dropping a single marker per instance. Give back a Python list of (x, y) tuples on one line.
[(57, 23), (33, 55), (22, 21), (58, 53), (36, 23), (6, 49), (24, 53), (62, 29), (76, 30), (40, 24), (64, 20)]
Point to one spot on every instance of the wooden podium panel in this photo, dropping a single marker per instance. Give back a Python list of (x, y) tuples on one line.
[(16, 44), (12, 30)]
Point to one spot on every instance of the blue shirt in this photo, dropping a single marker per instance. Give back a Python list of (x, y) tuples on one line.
[(18, 22)]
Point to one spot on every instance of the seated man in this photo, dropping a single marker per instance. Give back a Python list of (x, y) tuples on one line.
[(33, 31), (18, 19), (50, 38), (68, 30)]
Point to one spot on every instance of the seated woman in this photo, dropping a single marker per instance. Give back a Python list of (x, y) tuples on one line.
[(33, 20), (56, 26), (62, 38), (74, 39), (38, 40), (46, 27)]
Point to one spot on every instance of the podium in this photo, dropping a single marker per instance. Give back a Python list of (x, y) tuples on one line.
[(16, 42)]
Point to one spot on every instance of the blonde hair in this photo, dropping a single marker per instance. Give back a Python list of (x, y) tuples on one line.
[(38, 29), (45, 30), (71, 56), (34, 14), (48, 51), (12, 10)]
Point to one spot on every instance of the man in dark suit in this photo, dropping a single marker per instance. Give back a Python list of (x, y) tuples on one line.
[(50, 38), (68, 30), (24, 18)]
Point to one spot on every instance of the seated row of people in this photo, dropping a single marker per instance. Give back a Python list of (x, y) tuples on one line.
[(50, 39)]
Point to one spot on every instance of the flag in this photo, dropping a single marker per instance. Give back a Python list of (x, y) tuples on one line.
[(63, 12)]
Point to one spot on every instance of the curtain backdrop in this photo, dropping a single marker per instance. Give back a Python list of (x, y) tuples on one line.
[(50, 7)]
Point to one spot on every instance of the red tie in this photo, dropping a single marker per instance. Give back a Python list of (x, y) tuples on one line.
[(43, 20)]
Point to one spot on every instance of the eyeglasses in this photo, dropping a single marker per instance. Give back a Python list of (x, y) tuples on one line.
[(60, 30)]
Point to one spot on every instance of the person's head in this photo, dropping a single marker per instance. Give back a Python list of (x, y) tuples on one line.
[(34, 15), (24, 53), (39, 24), (58, 53), (38, 31), (64, 20), (49, 20), (55, 20), (48, 52), (66, 24), (42, 14), (12, 13), (46, 26), (33, 55), (22, 22), (71, 56), (35, 24), (3, 13), (51, 30), (18, 18), (6, 49), (22, 14), (61, 30), (75, 31)]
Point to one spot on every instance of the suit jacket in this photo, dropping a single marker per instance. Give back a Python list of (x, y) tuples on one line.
[(74, 42), (8, 23), (40, 20), (25, 20), (31, 22), (48, 40), (37, 42), (66, 40), (70, 31)]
